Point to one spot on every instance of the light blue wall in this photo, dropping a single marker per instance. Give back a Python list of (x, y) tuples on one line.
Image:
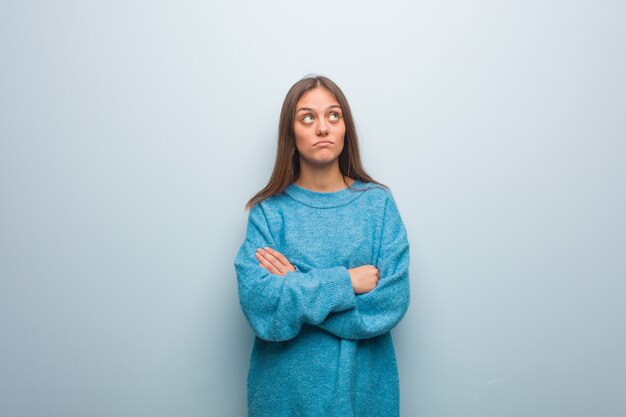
[(133, 132)]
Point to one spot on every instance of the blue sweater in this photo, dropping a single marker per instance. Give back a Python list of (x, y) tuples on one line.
[(319, 348)]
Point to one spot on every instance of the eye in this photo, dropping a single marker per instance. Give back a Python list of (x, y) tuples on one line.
[(305, 117), (336, 115)]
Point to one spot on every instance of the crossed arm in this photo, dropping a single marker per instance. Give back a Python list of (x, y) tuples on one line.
[(363, 278), (277, 298)]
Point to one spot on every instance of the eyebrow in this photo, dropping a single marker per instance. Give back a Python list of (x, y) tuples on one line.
[(329, 107)]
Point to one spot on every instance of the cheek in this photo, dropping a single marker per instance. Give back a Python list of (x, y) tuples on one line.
[(300, 136), (301, 130), (298, 132), (341, 130)]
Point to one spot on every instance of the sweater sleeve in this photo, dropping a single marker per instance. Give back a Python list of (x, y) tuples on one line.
[(378, 311), (276, 306)]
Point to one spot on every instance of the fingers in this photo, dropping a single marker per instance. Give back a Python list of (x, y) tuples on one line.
[(269, 261), (288, 266), (278, 256), (266, 264), (269, 254)]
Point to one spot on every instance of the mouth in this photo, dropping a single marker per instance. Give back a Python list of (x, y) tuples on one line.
[(323, 142)]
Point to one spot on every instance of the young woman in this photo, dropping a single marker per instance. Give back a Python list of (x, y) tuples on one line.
[(323, 274)]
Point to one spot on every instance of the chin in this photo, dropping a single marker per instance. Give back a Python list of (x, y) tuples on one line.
[(322, 161)]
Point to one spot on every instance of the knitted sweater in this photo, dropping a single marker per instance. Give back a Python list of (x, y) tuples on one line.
[(319, 348)]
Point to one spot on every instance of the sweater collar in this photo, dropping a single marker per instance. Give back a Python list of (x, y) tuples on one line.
[(325, 200)]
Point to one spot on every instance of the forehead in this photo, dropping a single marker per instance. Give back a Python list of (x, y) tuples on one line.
[(317, 98)]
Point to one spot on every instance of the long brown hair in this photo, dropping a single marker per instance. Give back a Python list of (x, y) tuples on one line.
[(287, 165)]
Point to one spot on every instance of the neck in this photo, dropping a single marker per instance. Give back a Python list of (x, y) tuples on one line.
[(324, 180)]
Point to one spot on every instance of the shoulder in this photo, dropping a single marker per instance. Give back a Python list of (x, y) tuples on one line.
[(377, 194), (261, 208), (268, 209), (383, 201)]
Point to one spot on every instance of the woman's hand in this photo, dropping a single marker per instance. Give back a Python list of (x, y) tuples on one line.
[(364, 278), (274, 261)]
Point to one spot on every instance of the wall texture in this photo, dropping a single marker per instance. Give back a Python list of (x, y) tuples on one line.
[(133, 132)]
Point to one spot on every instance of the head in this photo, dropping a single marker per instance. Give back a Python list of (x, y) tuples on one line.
[(318, 127), (314, 109)]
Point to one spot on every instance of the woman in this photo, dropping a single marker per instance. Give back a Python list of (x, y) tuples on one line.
[(323, 274)]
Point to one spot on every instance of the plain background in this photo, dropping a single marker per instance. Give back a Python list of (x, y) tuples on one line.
[(133, 132)]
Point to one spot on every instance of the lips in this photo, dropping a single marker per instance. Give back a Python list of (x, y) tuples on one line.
[(323, 142)]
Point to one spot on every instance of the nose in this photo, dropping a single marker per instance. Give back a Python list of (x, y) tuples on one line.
[(322, 129)]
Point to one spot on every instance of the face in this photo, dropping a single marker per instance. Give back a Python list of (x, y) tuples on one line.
[(319, 126)]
